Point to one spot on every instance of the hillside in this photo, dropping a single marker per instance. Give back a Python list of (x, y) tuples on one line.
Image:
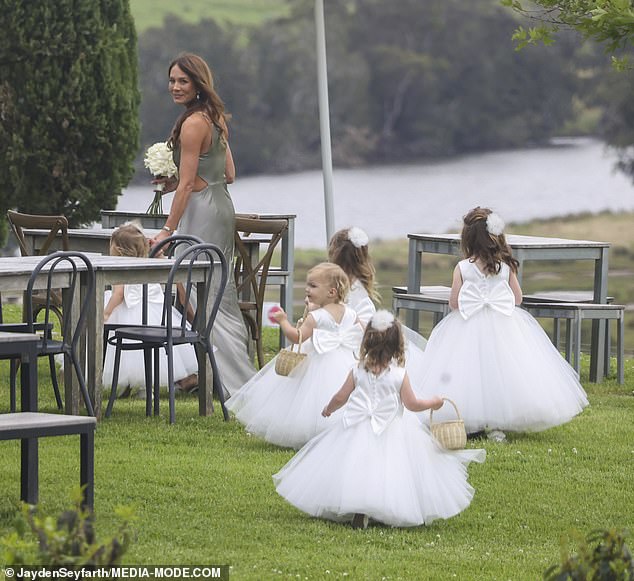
[(151, 13)]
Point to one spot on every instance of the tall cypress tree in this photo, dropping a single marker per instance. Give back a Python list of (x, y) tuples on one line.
[(69, 104)]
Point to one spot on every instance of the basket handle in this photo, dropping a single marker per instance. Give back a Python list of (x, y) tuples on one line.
[(431, 411), (297, 326), (299, 344)]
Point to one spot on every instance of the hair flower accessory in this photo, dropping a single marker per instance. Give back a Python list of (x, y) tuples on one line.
[(495, 224), (358, 237), (382, 320)]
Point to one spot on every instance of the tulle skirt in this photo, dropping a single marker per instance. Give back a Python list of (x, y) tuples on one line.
[(132, 369), (401, 477), (286, 410), (503, 372)]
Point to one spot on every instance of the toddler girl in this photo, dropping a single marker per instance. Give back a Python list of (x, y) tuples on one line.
[(285, 410), (123, 306), (377, 460), (489, 356)]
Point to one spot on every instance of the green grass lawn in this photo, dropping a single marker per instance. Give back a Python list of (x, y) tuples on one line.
[(151, 13), (203, 494)]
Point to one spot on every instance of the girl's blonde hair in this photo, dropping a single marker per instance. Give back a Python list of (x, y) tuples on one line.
[(129, 240), (334, 276), (354, 260), (380, 347), (478, 243)]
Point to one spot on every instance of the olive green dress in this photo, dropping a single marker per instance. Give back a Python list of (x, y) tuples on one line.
[(210, 215)]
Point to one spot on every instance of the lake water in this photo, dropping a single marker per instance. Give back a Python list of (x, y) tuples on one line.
[(388, 202)]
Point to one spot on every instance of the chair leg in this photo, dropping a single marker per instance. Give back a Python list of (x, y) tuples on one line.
[(569, 340), (115, 377), (147, 366), (218, 386), (577, 341), (157, 380), (170, 381), (58, 397), (13, 380), (82, 383)]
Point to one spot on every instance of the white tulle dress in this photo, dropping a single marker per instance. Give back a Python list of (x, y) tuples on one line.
[(360, 301), (379, 460), (286, 410), (496, 363), (129, 312)]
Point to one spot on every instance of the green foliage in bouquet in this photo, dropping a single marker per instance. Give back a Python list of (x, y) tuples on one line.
[(602, 555), (66, 541)]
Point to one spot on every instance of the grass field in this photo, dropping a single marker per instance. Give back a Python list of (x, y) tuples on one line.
[(203, 494), (151, 13)]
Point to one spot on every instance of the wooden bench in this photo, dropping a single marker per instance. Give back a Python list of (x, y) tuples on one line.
[(432, 299), (574, 314), (29, 426)]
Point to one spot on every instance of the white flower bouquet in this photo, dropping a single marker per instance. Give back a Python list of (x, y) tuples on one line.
[(158, 159)]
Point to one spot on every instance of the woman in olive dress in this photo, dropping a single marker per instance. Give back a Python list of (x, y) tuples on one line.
[(202, 205)]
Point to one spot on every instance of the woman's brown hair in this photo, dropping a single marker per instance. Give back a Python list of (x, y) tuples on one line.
[(478, 243), (207, 102)]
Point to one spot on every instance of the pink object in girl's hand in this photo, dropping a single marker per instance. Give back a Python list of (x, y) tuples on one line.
[(274, 309)]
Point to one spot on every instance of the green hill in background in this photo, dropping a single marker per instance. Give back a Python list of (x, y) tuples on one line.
[(151, 13)]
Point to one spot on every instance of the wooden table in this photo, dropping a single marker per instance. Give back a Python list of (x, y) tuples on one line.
[(98, 240), (524, 248)]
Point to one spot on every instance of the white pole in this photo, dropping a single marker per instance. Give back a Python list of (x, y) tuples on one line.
[(324, 118)]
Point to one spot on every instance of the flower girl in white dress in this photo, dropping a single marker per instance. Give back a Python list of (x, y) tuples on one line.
[(349, 249), (123, 306), (376, 460), (285, 410), (490, 356)]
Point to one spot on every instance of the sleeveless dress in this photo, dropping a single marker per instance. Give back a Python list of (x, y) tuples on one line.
[(286, 410), (359, 299), (496, 363), (131, 369), (210, 215), (377, 459)]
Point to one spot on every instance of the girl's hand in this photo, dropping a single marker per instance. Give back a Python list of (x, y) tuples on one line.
[(325, 412), (279, 315)]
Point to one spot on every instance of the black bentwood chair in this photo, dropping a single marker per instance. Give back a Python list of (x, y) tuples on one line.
[(46, 302), (151, 338), (166, 247)]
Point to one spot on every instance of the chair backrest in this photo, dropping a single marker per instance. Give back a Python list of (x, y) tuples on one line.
[(70, 263), (215, 281), (58, 226), (268, 233), (174, 242)]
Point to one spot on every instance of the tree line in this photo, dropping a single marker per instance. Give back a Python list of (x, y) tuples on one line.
[(82, 98)]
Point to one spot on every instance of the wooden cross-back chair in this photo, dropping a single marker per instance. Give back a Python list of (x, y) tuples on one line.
[(58, 233), (250, 276)]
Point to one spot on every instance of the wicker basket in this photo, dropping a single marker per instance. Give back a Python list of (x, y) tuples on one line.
[(450, 434), (287, 359)]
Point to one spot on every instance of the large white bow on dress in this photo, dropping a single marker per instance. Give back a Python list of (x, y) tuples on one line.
[(472, 299), (360, 408), (325, 340), (133, 294)]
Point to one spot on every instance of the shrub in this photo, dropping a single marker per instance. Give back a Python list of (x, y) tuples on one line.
[(602, 556)]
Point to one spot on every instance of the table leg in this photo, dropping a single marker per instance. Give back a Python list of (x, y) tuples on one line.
[(597, 345), (414, 276), (87, 469), (29, 470), (71, 385), (94, 336)]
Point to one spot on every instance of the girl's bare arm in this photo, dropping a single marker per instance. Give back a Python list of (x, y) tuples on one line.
[(456, 285), (116, 298), (412, 403), (340, 398)]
